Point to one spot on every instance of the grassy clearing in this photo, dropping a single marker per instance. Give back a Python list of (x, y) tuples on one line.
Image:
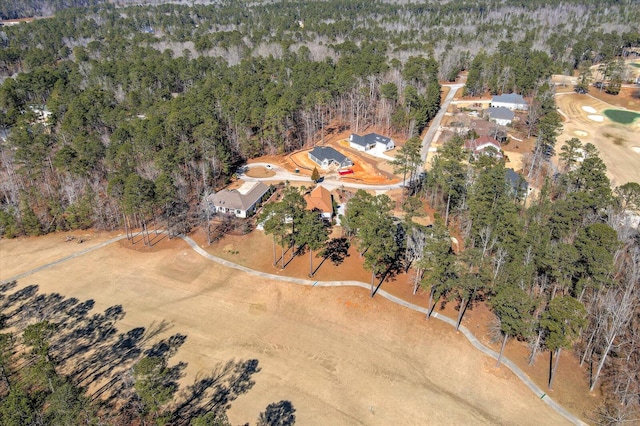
[(621, 116)]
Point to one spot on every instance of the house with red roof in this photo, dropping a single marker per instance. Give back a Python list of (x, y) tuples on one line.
[(483, 145)]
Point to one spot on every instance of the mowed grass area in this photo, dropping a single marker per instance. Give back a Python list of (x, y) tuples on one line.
[(637, 65), (621, 116)]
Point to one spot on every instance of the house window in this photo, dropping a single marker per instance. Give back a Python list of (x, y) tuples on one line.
[(237, 211)]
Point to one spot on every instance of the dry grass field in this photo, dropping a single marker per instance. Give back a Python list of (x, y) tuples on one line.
[(339, 356)]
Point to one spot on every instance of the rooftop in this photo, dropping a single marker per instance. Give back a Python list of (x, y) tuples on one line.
[(328, 153), (241, 198), (501, 113), (369, 139), (319, 198), (509, 98)]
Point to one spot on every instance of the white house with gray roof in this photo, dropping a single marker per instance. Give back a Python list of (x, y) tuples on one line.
[(241, 202), (511, 101), (325, 157), (371, 141), (500, 115)]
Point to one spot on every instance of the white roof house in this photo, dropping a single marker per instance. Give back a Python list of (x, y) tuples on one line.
[(500, 115), (371, 141), (511, 101), (241, 202)]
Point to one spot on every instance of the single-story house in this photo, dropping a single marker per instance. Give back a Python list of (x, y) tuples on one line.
[(371, 141), (500, 115), (320, 200), (484, 145), (325, 156), (241, 202), (519, 185), (511, 101)]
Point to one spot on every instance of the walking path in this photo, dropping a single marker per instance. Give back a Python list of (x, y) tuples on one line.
[(472, 339)]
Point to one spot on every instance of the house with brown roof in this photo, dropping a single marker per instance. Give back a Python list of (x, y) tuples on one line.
[(320, 200), (483, 145), (241, 202)]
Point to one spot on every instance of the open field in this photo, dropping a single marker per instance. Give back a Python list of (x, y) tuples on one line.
[(617, 143), (337, 355)]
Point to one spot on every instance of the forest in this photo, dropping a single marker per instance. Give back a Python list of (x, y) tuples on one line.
[(113, 113)]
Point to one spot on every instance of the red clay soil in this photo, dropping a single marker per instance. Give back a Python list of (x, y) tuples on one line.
[(366, 168), (256, 251)]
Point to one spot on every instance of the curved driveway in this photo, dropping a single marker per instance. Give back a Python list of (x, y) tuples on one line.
[(284, 175), (472, 339)]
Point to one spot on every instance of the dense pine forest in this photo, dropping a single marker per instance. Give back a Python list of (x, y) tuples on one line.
[(136, 111)]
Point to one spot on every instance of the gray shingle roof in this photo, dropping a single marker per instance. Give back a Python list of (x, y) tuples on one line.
[(501, 113), (510, 98), (327, 153), (517, 182), (369, 139), (237, 200)]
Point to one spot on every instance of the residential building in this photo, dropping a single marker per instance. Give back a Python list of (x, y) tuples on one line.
[(484, 145), (320, 200), (511, 101), (325, 157), (242, 202), (500, 115), (371, 141), (519, 185)]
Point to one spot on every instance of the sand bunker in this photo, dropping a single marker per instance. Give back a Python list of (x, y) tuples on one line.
[(589, 109), (597, 118), (636, 149), (581, 133)]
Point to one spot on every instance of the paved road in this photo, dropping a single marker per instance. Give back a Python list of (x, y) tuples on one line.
[(472, 339), (435, 123)]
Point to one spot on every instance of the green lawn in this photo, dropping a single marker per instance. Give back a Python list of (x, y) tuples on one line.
[(637, 65), (621, 116)]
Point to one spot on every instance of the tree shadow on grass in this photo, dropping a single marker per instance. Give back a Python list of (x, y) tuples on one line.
[(393, 270), (90, 350), (215, 391), (278, 413), (336, 250)]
